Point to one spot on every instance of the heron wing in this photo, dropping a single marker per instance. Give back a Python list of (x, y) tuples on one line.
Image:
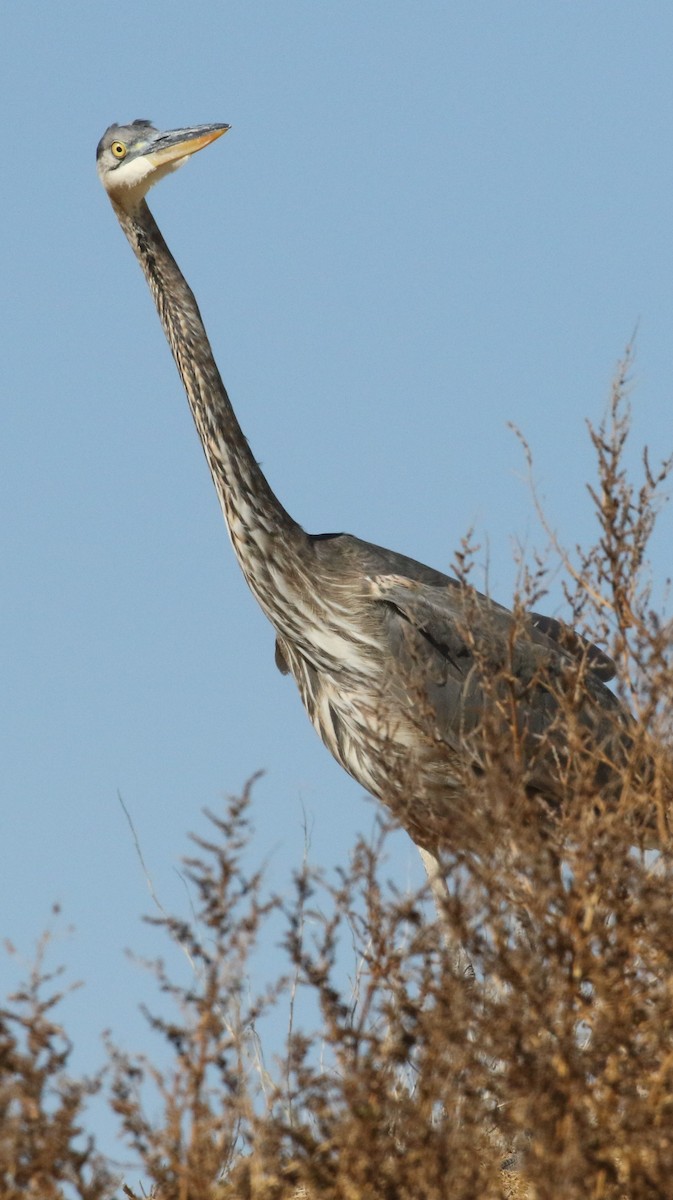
[(460, 644), (572, 642), (433, 592), (461, 627)]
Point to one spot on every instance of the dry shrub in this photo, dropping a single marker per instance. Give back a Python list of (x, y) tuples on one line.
[(44, 1152), (546, 1070)]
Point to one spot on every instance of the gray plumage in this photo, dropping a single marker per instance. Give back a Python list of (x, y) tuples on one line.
[(398, 665)]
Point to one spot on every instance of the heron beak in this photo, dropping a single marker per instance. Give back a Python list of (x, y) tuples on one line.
[(181, 143)]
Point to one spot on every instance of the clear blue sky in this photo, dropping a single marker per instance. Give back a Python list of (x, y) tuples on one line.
[(428, 220)]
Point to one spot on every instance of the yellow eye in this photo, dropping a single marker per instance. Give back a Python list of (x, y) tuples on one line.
[(118, 149)]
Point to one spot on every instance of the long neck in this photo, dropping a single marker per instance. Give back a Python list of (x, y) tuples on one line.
[(255, 517)]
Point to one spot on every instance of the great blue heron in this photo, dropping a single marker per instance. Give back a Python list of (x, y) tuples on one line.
[(392, 659)]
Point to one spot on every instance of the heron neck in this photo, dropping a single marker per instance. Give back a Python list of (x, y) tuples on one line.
[(252, 512)]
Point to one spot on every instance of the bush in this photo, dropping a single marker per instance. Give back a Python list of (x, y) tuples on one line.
[(543, 1069)]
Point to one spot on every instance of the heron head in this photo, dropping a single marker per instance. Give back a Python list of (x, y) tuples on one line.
[(131, 158)]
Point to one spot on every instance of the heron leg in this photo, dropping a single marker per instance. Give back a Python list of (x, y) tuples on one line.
[(440, 895)]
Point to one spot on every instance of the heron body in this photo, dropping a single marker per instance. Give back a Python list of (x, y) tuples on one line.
[(391, 658)]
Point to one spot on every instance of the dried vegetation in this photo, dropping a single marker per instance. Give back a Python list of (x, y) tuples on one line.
[(544, 1072)]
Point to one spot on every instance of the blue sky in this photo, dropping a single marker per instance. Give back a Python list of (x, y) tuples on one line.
[(428, 220)]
